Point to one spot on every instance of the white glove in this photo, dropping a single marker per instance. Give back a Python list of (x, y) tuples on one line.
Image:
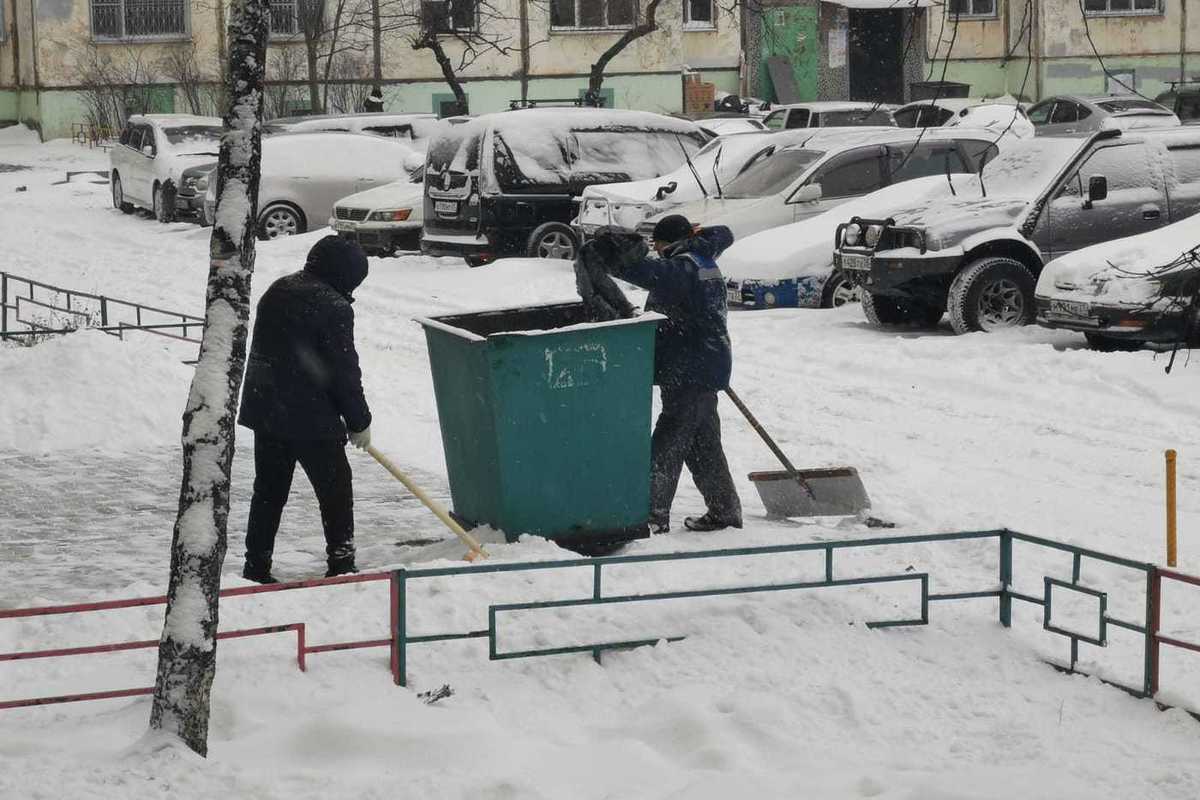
[(361, 439)]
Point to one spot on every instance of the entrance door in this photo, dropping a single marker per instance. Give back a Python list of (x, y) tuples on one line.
[(793, 34), (877, 56)]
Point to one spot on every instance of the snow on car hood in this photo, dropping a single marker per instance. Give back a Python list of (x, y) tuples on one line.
[(946, 219), (743, 217), (806, 248), (1115, 272), (398, 194)]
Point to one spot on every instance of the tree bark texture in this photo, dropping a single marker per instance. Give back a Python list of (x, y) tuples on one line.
[(377, 43), (645, 27), (187, 651), (430, 41)]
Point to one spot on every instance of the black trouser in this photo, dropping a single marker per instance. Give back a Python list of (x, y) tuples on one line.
[(328, 470), (688, 431)]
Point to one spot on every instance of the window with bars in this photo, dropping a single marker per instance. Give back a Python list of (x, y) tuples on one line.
[(1104, 7), (592, 14), (973, 8), (138, 19), (287, 16), (698, 14), (450, 16)]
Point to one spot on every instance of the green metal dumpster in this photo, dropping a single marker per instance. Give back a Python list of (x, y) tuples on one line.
[(545, 421)]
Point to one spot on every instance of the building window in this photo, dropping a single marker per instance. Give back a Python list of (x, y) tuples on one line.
[(699, 14), (139, 19), (288, 17), (592, 14), (450, 16), (973, 8), (1101, 8)]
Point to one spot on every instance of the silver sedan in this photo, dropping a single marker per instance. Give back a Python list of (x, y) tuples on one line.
[(1066, 114)]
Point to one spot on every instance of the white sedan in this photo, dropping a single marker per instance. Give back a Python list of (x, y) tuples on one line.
[(147, 164), (304, 174), (382, 220)]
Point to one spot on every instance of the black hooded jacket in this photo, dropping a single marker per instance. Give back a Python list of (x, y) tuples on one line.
[(302, 376)]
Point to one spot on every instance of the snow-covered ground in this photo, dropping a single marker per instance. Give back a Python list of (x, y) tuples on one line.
[(771, 695)]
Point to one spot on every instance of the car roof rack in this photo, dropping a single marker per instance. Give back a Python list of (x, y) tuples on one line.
[(559, 102)]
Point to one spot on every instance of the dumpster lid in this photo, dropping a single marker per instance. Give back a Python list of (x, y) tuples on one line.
[(532, 320)]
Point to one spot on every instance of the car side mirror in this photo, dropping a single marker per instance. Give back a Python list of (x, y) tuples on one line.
[(807, 194), (148, 150), (1097, 190)]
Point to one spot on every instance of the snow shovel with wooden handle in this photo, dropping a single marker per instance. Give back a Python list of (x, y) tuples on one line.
[(832, 491), (476, 549)]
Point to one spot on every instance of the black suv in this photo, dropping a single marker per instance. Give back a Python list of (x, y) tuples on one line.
[(977, 249)]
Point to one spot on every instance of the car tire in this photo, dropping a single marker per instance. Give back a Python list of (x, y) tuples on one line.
[(880, 310), (991, 294), (163, 203), (838, 291), (279, 220), (118, 195), (1111, 344), (552, 240)]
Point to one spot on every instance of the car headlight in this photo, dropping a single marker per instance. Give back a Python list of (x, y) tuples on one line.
[(190, 181), (852, 234), (391, 215), (874, 232), (202, 182)]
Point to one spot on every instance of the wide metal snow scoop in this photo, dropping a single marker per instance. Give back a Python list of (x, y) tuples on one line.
[(831, 491)]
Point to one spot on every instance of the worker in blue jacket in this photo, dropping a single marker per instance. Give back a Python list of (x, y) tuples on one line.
[(692, 362)]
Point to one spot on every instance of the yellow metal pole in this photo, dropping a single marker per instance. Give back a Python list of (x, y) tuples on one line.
[(1171, 529)]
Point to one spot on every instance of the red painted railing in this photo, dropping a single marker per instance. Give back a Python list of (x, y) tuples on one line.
[(302, 648)]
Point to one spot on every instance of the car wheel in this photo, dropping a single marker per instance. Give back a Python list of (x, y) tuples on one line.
[(992, 294), (280, 220), (118, 195), (552, 240), (880, 310), (838, 291), (164, 203), (1111, 344)]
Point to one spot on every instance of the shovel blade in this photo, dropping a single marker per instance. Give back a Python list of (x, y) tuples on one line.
[(836, 491)]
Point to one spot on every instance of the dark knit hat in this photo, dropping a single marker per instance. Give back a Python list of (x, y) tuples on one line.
[(672, 228)]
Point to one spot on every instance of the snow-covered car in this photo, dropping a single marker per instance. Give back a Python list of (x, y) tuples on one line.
[(829, 114), (1002, 113), (723, 126), (382, 220), (828, 169), (411, 126), (1065, 114), (304, 174), (506, 183), (792, 265), (625, 205), (1125, 293), (978, 255), (146, 165)]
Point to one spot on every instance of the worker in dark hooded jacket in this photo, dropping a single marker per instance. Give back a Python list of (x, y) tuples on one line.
[(692, 362), (303, 397)]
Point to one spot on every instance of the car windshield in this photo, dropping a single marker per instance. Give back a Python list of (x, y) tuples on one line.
[(852, 118), (771, 175), (1117, 106), (195, 138), (1026, 168)]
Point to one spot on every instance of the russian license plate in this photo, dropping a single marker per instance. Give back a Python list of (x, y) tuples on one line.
[(1068, 308), (445, 207), (342, 225), (734, 294), (854, 261)]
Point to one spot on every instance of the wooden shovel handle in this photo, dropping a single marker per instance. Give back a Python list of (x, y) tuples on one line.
[(766, 437), (470, 541)]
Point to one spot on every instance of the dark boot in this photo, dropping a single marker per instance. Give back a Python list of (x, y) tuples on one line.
[(710, 522), (258, 571), (341, 566)]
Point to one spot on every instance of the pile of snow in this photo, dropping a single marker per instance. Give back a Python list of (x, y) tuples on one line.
[(1001, 118), (18, 135), (805, 248), (1116, 272), (90, 390)]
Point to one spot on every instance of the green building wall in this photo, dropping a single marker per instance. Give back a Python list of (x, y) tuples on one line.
[(1152, 75)]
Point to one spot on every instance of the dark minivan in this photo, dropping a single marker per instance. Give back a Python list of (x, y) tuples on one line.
[(506, 183)]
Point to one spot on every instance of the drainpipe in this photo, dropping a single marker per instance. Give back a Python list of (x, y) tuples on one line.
[(1183, 22), (15, 30), (37, 81), (524, 51), (1035, 48)]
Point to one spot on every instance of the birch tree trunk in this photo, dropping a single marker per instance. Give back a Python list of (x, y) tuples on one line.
[(187, 652)]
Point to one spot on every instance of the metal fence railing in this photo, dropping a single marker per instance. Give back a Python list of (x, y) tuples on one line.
[(1146, 625), (33, 309)]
